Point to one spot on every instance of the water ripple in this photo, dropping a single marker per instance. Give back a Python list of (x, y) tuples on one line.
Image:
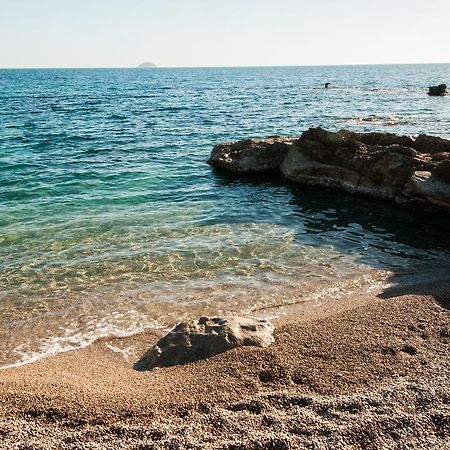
[(110, 219)]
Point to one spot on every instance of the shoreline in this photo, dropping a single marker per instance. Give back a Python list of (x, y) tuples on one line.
[(252, 302), (335, 370)]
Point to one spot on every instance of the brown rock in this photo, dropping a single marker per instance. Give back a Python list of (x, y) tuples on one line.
[(431, 144), (426, 187), (384, 139), (381, 165), (194, 340), (348, 164), (443, 170), (251, 155)]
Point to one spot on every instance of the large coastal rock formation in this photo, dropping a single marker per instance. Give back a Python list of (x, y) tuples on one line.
[(382, 165), (194, 340)]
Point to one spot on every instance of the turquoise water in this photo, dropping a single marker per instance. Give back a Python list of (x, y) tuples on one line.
[(111, 222)]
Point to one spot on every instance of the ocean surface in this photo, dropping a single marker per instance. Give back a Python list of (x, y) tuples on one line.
[(111, 222)]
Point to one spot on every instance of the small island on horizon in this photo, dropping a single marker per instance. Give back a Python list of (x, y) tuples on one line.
[(146, 65)]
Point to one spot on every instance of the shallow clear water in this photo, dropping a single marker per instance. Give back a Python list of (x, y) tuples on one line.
[(110, 220)]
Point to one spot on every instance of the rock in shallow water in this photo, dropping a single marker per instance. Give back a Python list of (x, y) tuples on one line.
[(194, 340), (251, 155), (381, 165), (344, 161), (438, 91)]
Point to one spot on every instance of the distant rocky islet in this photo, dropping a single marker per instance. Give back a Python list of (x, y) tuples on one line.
[(146, 65)]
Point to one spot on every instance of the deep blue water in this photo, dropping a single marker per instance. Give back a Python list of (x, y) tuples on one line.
[(110, 220)]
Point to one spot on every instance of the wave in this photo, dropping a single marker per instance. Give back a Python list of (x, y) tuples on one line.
[(385, 121), (72, 340)]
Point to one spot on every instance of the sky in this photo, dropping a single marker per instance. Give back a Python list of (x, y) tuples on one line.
[(208, 33)]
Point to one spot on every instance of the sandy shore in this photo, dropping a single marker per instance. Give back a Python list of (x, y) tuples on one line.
[(361, 373)]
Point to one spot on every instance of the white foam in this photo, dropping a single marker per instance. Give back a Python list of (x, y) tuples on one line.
[(125, 352), (378, 120), (69, 342)]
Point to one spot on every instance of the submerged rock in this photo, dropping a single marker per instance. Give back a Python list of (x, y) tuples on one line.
[(381, 165), (194, 340), (438, 91), (251, 155)]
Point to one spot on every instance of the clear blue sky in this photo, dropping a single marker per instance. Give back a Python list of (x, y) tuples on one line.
[(125, 33)]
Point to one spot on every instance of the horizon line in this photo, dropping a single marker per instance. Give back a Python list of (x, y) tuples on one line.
[(225, 67)]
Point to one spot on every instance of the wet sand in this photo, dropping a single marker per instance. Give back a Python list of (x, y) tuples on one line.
[(364, 372)]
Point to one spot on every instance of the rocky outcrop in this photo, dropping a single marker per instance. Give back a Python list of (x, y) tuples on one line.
[(194, 340), (382, 165), (251, 155), (330, 159), (438, 91)]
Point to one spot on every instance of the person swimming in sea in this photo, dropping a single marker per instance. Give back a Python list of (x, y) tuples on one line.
[(327, 85)]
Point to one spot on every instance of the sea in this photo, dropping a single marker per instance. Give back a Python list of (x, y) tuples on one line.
[(111, 222)]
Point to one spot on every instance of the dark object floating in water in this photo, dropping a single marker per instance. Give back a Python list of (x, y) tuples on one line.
[(381, 165), (195, 340), (438, 91), (327, 85), (147, 65)]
